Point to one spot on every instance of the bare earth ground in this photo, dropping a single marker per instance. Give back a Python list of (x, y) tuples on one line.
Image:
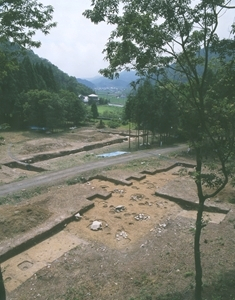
[(144, 249)]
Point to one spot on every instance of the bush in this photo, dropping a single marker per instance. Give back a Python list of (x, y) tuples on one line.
[(113, 124)]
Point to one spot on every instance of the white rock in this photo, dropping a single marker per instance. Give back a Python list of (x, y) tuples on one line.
[(77, 216), (96, 225)]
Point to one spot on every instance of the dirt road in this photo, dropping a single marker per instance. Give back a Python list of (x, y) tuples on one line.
[(52, 177)]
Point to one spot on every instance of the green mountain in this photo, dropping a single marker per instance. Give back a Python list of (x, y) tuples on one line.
[(44, 70)]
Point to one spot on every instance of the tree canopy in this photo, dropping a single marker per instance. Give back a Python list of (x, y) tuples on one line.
[(151, 34), (152, 108), (21, 19)]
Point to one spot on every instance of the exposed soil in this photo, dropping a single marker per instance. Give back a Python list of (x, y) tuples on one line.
[(22, 218), (144, 248)]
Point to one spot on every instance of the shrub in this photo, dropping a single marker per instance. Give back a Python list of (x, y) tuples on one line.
[(113, 124)]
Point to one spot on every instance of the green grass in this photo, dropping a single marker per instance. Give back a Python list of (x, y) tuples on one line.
[(102, 109)]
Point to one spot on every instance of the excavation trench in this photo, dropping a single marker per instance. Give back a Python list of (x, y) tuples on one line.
[(26, 164), (128, 208)]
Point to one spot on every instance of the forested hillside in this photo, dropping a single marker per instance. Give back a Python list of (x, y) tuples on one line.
[(34, 92)]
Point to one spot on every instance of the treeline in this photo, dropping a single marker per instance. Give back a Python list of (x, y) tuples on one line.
[(34, 92), (153, 108), (163, 107)]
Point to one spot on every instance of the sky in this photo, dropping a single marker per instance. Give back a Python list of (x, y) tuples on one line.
[(75, 45)]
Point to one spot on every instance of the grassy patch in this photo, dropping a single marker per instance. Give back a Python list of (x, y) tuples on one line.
[(222, 288), (20, 196), (109, 110), (76, 294), (188, 274), (231, 200), (76, 180)]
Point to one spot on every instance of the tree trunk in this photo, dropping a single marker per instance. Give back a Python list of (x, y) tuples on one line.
[(197, 253), (199, 225), (138, 137), (2, 287)]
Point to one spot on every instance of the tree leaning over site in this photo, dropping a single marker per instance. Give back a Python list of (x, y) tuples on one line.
[(173, 39)]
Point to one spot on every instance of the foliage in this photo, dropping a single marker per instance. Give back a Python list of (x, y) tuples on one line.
[(74, 109), (7, 65), (103, 101), (20, 19), (113, 124), (50, 110), (152, 108), (94, 110), (36, 74), (19, 22)]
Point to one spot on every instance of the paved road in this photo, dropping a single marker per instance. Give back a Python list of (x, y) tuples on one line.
[(52, 177)]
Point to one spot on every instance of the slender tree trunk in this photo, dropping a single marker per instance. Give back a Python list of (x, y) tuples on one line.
[(138, 138), (197, 253), (199, 225), (2, 287), (147, 139)]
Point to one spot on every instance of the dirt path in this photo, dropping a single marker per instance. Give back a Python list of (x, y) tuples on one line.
[(50, 178)]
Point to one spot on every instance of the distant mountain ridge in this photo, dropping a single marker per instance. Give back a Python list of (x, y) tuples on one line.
[(125, 77), (86, 82), (124, 80)]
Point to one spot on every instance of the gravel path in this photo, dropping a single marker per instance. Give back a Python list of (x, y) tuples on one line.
[(52, 177)]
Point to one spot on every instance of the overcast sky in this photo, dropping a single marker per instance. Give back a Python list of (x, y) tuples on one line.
[(75, 45)]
